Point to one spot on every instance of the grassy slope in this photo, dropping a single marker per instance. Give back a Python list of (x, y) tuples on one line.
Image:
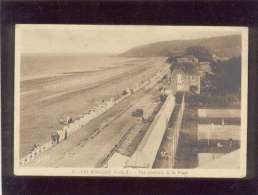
[(224, 46)]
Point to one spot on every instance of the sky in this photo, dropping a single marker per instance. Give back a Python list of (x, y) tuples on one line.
[(105, 39)]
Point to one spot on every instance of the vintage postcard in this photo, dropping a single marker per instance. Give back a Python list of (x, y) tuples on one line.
[(131, 101)]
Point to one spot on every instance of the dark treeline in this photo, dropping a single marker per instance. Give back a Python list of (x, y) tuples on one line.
[(186, 67), (223, 87), (200, 52), (226, 77)]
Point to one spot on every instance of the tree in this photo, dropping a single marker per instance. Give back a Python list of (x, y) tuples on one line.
[(200, 52), (226, 78)]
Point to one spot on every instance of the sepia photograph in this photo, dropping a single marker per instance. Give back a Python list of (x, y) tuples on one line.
[(130, 100)]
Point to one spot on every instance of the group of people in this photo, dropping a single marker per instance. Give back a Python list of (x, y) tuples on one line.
[(60, 134), (164, 154)]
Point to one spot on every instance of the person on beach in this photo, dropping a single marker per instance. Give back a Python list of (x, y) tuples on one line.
[(68, 119), (230, 144), (55, 137)]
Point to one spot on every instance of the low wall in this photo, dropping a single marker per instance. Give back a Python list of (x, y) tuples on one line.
[(220, 132), (146, 152), (219, 113)]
